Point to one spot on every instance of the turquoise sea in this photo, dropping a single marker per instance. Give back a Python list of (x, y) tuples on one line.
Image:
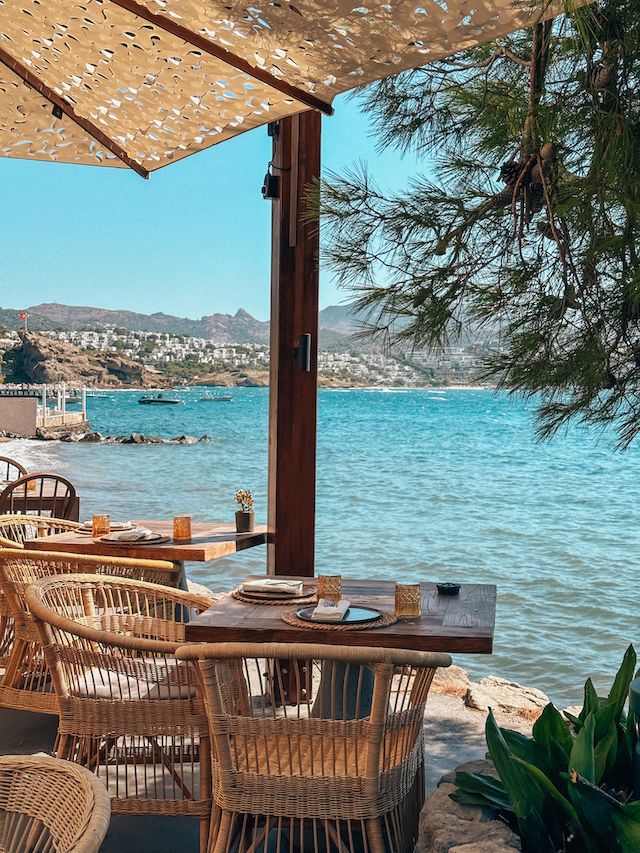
[(443, 485)]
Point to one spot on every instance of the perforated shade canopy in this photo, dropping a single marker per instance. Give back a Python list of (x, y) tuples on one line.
[(144, 83)]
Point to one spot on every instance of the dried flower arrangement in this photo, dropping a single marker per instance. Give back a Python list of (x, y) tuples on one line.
[(245, 498)]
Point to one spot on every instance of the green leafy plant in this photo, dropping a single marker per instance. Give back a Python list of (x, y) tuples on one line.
[(245, 498), (568, 788)]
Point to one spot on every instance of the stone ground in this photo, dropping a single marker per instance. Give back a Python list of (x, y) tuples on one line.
[(454, 735)]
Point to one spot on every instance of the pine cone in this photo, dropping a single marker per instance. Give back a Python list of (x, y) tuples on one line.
[(510, 171)]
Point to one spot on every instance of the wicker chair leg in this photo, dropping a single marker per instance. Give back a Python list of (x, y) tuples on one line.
[(223, 835), (375, 836), (12, 673)]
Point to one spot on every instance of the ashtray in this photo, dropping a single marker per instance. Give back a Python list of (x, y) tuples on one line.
[(448, 588)]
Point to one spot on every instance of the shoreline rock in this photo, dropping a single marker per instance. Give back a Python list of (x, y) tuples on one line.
[(449, 827)]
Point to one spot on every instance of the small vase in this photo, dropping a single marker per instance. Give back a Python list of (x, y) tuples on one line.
[(244, 521)]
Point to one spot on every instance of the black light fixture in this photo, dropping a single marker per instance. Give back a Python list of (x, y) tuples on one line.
[(270, 185), (57, 111)]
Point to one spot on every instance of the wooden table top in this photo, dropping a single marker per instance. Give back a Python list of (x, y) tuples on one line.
[(210, 540), (462, 623)]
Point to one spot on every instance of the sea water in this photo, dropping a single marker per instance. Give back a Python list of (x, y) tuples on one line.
[(444, 485)]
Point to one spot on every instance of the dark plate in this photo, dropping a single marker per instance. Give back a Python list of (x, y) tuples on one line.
[(354, 615)]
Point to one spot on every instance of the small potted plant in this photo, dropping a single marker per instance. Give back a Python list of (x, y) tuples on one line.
[(244, 516)]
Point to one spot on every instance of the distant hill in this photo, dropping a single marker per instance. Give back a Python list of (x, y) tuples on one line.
[(336, 323)]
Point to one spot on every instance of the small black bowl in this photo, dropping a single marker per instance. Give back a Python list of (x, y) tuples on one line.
[(448, 588)]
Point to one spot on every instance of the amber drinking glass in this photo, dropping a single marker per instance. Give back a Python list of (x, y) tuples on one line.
[(330, 587), (408, 605), (182, 528), (101, 525)]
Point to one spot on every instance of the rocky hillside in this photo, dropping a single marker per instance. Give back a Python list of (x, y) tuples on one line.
[(40, 359)]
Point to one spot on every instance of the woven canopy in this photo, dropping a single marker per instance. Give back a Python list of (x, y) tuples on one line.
[(143, 83)]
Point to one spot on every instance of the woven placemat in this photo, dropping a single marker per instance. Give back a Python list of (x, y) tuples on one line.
[(384, 621), (307, 598)]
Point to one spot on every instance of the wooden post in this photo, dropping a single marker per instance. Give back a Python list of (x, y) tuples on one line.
[(294, 355)]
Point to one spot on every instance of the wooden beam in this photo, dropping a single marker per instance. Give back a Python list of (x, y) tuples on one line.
[(294, 312), (37, 84), (170, 25)]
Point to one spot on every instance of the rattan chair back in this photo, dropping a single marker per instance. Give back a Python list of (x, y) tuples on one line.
[(15, 530), (26, 683), (10, 470), (50, 806), (128, 708), (39, 494), (340, 767)]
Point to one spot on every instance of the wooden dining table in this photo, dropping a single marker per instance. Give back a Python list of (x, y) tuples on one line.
[(209, 541), (463, 623)]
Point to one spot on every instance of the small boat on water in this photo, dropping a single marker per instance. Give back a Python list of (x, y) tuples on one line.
[(216, 398), (159, 400)]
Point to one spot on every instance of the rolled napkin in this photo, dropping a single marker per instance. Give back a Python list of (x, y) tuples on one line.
[(134, 535), (327, 611), (273, 585)]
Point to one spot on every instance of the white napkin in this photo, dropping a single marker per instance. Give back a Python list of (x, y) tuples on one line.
[(273, 585), (327, 611), (134, 535)]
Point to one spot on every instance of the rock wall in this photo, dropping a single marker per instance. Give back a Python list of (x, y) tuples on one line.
[(39, 359)]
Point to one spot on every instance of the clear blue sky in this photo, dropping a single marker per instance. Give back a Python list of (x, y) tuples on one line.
[(192, 240)]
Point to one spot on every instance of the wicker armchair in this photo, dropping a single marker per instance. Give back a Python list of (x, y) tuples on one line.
[(129, 710), (26, 683), (342, 769), (15, 530), (50, 805)]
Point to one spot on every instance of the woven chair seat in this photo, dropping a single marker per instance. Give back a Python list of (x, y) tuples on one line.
[(102, 683)]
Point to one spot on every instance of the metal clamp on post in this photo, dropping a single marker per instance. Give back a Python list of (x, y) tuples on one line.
[(302, 353)]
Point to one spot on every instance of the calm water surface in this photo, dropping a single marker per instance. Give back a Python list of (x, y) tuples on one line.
[(424, 485)]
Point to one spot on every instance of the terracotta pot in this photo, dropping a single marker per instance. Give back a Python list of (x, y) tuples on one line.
[(244, 521)]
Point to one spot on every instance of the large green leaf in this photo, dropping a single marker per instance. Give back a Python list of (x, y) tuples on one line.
[(526, 797), (614, 824), (605, 741), (525, 748), (627, 825), (591, 701), (481, 785), (621, 774), (582, 759), (551, 726), (549, 788), (620, 689)]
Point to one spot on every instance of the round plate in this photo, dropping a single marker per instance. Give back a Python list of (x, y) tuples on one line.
[(115, 527), (154, 539), (353, 616)]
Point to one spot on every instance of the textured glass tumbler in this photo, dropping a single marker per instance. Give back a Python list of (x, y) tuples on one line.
[(330, 587), (182, 528), (408, 605), (101, 525)]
